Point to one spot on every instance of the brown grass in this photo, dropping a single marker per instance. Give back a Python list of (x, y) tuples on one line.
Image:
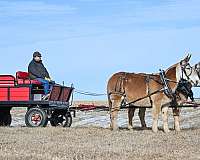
[(91, 141), (97, 143)]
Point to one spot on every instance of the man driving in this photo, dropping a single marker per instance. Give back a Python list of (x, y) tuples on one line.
[(38, 71)]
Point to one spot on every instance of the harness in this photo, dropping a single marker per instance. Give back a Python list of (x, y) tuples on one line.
[(184, 87), (149, 89), (119, 87), (120, 90), (167, 90)]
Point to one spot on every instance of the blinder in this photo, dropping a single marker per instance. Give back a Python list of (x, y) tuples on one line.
[(185, 87)]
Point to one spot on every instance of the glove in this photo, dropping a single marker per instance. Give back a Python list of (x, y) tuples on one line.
[(48, 79)]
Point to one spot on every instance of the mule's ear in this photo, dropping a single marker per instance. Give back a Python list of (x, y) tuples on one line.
[(187, 59), (189, 56)]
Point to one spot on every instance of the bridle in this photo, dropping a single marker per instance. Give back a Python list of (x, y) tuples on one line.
[(184, 68)]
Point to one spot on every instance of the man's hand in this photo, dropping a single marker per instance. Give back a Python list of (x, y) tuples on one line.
[(48, 79)]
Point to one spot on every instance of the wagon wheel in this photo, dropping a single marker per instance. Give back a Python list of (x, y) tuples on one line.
[(1, 120), (36, 117), (2, 114), (61, 119), (5, 119)]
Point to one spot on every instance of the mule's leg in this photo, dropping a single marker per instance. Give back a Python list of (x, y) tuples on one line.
[(165, 119), (155, 114), (114, 113), (131, 112), (141, 114), (176, 113)]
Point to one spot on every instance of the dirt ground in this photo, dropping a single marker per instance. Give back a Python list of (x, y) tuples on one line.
[(90, 138), (97, 143)]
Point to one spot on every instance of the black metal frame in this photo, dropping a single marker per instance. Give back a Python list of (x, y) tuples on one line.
[(42, 104)]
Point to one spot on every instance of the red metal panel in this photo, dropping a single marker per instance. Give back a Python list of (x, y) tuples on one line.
[(22, 81), (7, 77), (26, 81), (3, 94), (20, 94), (35, 82), (7, 80)]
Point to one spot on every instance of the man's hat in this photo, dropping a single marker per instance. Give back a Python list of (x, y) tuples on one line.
[(37, 54)]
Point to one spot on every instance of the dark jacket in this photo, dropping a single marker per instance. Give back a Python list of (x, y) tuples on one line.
[(37, 70)]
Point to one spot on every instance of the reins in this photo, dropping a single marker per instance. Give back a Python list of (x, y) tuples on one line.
[(188, 75)]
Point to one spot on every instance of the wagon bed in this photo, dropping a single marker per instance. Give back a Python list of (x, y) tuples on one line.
[(20, 91)]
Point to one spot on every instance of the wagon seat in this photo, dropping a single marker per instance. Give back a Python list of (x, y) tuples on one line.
[(23, 78)]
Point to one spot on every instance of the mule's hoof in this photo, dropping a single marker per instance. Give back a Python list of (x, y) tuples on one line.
[(130, 127), (144, 128), (166, 130), (155, 130), (115, 129), (177, 129)]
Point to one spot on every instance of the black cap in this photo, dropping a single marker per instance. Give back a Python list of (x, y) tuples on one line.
[(37, 54)]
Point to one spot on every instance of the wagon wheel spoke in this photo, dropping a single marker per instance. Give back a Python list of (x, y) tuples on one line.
[(61, 119)]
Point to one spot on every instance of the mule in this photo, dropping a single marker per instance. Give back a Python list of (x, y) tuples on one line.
[(129, 87), (192, 74)]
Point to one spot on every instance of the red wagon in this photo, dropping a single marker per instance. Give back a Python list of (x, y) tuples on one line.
[(20, 91)]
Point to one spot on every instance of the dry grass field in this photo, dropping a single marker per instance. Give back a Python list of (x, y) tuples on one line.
[(97, 143), (91, 138)]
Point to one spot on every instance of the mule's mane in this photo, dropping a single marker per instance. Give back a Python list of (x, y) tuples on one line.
[(156, 74), (172, 67), (168, 70)]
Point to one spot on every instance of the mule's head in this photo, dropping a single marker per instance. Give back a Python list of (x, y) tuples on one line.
[(197, 69), (187, 72)]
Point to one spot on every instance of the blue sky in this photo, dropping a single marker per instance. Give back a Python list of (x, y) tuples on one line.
[(85, 41)]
